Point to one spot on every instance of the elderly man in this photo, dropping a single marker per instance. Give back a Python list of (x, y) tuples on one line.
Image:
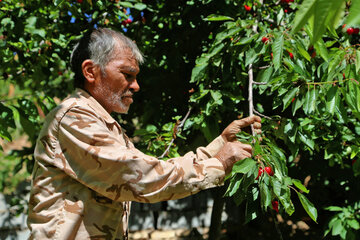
[(87, 171)]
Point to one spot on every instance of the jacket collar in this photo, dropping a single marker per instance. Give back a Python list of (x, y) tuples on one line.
[(95, 105)]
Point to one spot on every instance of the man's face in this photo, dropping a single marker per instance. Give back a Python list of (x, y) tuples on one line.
[(115, 88)]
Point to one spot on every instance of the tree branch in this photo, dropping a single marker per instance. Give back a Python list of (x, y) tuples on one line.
[(178, 128), (262, 115), (259, 83), (250, 98)]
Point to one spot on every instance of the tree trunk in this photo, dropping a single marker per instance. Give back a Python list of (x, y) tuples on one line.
[(217, 209)]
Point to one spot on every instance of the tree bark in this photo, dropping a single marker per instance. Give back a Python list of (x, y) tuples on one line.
[(217, 209)]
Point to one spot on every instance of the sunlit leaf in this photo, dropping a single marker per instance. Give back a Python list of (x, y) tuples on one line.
[(214, 17), (354, 13), (306, 9), (308, 206), (277, 48)]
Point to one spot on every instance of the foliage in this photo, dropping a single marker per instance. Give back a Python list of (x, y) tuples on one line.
[(345, 222), (202, 54), (323, 14)]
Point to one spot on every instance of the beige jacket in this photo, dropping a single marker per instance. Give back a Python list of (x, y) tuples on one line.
[(87, 172)]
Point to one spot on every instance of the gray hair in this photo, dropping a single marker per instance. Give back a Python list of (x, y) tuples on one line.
[(99, 46)]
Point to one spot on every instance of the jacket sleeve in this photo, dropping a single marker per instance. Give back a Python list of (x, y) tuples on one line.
[(99, 159)]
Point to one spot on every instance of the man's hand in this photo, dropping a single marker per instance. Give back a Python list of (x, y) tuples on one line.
[(229, 133), (232, 152)]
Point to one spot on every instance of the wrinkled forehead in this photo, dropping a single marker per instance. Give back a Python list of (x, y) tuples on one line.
[(121, 49)]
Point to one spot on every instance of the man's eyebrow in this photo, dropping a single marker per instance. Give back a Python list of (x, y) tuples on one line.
[(130, 69)]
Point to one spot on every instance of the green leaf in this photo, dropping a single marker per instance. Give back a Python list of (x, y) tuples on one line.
[(322, 9), (299, 185), (277, 48), (334, 209), (251, 57), (308, 141), (310, 101), (246, 40), (298, 102), (302, 51), (282, 192), (290, 130), (337, 227), (215, 17), (320, 48), (331, 99), (140, 6), (308, 206), (231, 31), (265, 194), (353, 224), (289, 97), (244, 165), (234, 185), (58, 2), (354, 13), (265, 75), (198, 72), (335, 62), (335, 15), (357, 64), (216, 95), (305, 10), (126, 4)]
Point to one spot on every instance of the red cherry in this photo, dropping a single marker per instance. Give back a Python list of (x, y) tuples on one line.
[(60, 73), (291, 55), (260, 172), (247, 8), (356, 30), (275, 205), (350, 31), (313, 54), (129, 20), (269, 171), (264, 39), (285, 10)]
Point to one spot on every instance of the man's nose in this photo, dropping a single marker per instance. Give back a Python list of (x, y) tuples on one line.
[(134, 86)]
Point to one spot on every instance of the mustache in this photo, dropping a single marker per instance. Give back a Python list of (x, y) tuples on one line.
[(127, 94)]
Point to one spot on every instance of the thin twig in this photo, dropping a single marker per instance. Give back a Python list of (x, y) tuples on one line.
[(178, 128), (264, 67), (259, 83), (262, 115)]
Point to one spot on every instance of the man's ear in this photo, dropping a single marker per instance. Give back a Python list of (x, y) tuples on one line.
[(90, 70)]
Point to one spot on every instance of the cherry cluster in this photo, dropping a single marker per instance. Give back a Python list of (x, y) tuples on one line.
[(270, 172), (352, 31), (126, 22)]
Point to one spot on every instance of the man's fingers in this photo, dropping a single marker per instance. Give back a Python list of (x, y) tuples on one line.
[(248, 121), (247, 154), (257, 125), (245, 147)]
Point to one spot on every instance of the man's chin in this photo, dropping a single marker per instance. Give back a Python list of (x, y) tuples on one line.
[(122, 110)]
